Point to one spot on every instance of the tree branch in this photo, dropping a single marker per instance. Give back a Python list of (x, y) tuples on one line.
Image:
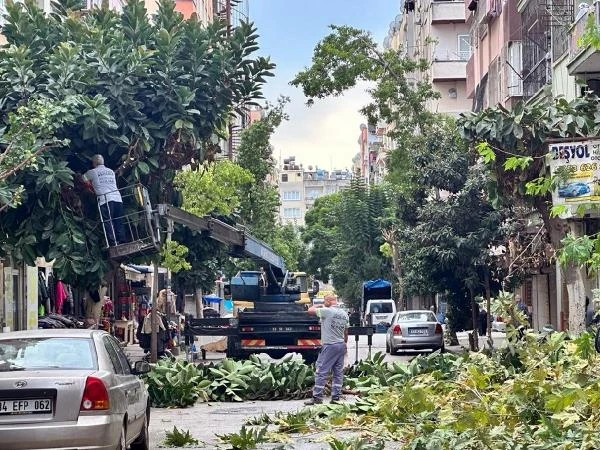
[(38, 152)]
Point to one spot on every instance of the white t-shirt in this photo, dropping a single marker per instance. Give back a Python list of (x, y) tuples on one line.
[(105, 184)]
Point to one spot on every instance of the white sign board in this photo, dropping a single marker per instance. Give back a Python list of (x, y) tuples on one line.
[(583, 183)]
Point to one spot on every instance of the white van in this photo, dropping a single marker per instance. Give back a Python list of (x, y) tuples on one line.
[(381, 310)]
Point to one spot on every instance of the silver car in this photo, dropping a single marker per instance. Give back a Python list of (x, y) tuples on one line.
[(70, 389), (414, 330)]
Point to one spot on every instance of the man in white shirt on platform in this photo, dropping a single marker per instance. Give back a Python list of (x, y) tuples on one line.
[(104, 183)]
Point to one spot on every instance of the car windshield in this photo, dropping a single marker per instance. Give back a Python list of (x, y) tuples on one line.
[(46, 353), (412, 316), (381, 308)]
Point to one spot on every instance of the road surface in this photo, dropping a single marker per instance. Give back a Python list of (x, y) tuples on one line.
[(205, 420)]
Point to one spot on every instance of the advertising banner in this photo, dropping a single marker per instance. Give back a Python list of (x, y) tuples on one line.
[(581, 160)]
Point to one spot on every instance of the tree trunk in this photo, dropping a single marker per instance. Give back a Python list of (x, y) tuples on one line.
[(199, 310), (474, 341), (488, 297), (390, 237), (575, 278)]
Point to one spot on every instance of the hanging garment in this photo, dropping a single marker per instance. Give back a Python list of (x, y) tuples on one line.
[(42, 288), (61, 296), (51, 293), (43, 294)]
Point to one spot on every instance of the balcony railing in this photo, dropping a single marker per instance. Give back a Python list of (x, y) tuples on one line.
[(583, 59), (447, 12), (449, 70)]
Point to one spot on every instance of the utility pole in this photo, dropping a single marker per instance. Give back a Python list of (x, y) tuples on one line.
[(230, 126), (154, 314), (169, 295)]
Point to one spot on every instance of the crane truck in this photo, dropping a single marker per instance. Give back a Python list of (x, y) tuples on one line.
[(270, 314)]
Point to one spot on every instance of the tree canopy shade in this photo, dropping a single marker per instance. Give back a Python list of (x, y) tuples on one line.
[(150, 95)]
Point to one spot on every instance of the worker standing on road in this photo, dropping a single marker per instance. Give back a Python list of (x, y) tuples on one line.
[(334, 336)]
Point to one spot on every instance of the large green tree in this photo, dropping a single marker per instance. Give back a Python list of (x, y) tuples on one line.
[(343, 234), (150, 95), (432, 177), (514, 145), (321, 233)]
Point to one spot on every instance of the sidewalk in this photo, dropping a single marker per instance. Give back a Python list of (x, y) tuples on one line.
[(463, 341)]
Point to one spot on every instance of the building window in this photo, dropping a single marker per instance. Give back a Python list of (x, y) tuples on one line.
[(312, 194), (464, 47), (291, 213), (284, 177), (291, 195)]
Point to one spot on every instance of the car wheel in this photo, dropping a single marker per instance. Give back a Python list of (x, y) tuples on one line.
[(143, 440), (122, 444), (387, 347)]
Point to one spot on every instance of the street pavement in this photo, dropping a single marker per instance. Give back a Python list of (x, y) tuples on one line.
[(206, 420)]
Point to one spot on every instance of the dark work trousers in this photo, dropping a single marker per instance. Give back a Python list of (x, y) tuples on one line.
[(112, 219), (331, 359)]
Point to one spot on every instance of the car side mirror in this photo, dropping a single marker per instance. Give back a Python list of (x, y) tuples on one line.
[(141, 367)]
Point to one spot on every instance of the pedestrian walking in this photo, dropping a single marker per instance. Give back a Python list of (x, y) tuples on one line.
[(334, 336), (104, 182), (483, 319)]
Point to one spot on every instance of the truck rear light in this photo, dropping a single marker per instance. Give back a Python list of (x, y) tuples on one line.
[(314, 328), (95, 395), (438, 328), (397, 329), (247, 329)]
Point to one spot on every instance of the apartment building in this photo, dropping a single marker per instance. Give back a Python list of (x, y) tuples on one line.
[(299, 187), (437, 31), (371, 157), (494, 69), (204, 9)]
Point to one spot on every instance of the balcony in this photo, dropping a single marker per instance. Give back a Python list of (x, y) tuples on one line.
[(583, 59), (447, 12), (449, 70)]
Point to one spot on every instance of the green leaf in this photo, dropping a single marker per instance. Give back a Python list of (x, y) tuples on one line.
[(486, 152), (517, 162)]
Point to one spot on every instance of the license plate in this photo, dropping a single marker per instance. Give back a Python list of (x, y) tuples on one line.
[(281, 328), (419, 331), (28, 406)]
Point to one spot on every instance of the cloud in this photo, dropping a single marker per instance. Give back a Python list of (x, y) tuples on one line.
[(323, 135)]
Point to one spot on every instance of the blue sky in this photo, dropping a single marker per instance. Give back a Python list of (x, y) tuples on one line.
[(326, 134)]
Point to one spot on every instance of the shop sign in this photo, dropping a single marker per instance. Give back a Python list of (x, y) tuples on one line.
[(582, 160)]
